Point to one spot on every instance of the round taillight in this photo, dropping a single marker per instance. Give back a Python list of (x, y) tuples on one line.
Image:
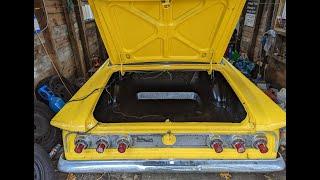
[(100, 147), (263, 148), (261, 144), (122, 147), (217, 146), (239, 145), (123, 144), (80, 146), (102, 144)]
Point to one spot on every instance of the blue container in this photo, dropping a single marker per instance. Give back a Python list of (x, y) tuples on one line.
[(55, 103)]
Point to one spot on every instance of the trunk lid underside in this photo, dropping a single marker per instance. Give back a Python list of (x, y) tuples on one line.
[(137, 31)]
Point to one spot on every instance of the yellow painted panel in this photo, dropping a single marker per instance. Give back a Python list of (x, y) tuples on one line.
[(169, 153), (262, 113), (129, 27)]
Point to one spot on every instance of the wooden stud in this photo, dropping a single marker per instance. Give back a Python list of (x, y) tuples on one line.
[(79, 54)]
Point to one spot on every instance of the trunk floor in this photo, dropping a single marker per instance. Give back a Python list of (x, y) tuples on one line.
[(129, 109)]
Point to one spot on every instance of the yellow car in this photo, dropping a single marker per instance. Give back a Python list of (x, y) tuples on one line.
[(166, 100)]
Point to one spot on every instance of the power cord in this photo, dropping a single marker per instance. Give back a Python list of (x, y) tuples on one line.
[(85, 97)]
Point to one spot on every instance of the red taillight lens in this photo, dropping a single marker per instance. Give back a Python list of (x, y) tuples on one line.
[(239, 145), (102, 144), (123, 144), (79, 147), (263, 148), (122, 147), (261, 144), (217, 146), (100, 148)]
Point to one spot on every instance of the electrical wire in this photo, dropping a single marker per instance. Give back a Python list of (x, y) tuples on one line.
[(169, 74), (138, 117), (109, 94), (85, 97)]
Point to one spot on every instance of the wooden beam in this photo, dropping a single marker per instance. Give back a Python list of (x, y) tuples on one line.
[(50, 47), (82, 31), (78, 53), (241, 25), (256, 29)]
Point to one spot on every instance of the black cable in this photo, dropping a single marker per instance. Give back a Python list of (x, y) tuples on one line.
[(83, 98)]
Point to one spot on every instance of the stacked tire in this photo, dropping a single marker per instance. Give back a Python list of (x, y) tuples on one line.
[(45, 138), (45, 135), (43, 169)]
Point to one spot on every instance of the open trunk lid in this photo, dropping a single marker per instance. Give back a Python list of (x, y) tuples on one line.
[(138, 31)]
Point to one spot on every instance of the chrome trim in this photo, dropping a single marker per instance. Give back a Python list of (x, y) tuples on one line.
[(168, 96), (155, 140), (171, 166)]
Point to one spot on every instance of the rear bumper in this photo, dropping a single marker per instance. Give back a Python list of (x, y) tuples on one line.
[(171, 166)]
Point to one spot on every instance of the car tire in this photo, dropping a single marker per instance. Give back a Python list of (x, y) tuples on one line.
[(43, 169), (43, 109), (50, 139), (41, 125), (49, 136)]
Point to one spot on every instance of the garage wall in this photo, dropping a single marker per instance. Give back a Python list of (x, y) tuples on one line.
[(62, 45), (251, 42), (264, 25)]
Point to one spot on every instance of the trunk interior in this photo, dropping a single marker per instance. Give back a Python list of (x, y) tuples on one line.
[(180, 96)]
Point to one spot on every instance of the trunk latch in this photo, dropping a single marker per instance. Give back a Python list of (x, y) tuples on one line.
[(166, 3)]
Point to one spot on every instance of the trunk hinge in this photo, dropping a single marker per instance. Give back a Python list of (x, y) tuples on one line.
[(124, 57)]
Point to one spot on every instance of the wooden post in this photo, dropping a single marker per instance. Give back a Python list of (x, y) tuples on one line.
[(78, 53), (82, 31), (241, 25), (50, 47), (256, 29), (46, 32)]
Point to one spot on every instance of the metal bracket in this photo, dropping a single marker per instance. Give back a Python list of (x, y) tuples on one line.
[(166, 3)]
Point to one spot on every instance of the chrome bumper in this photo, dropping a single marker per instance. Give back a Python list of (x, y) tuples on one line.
[(171, 166)]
